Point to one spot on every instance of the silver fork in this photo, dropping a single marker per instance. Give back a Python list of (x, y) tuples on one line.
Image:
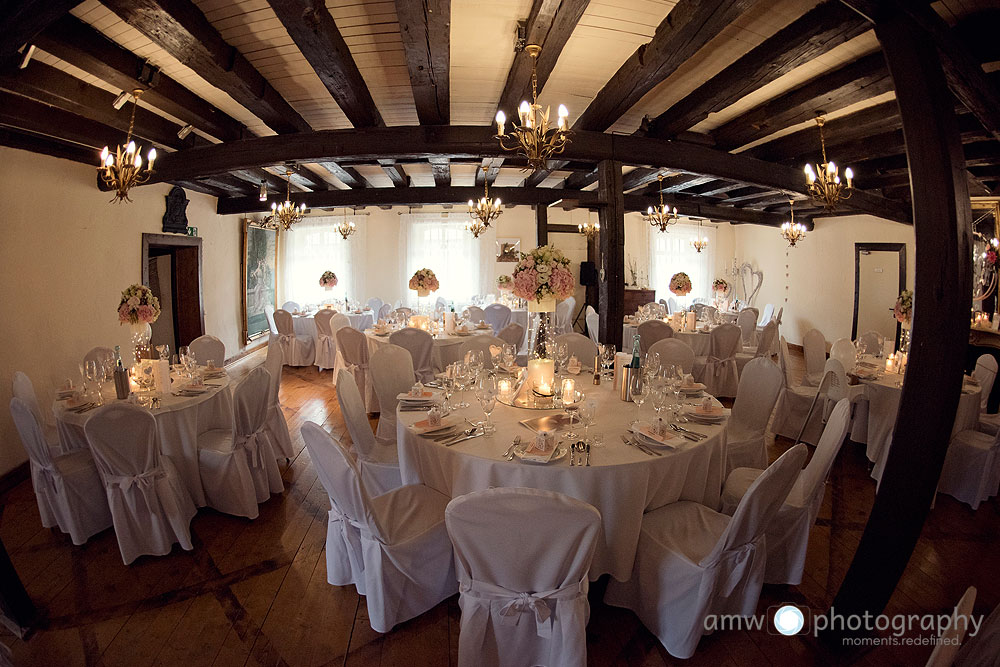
[(509, 454)]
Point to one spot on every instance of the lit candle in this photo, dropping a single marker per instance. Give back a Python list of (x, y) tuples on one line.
[(569, 390), (503, 388), (541, 373)]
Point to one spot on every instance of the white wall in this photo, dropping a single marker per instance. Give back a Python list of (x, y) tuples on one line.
[(66, 255), (817, 287)]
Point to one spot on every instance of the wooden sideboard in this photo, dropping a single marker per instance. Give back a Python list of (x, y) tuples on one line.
[(637, 297)]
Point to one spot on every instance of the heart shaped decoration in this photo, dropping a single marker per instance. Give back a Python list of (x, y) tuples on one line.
[(751, 281)]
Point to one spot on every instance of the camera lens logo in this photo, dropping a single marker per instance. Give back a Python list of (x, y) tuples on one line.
[(788, 620)]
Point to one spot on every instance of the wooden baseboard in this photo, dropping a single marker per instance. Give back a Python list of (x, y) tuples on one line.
[(14, 477), (793, 346), (246, 351)]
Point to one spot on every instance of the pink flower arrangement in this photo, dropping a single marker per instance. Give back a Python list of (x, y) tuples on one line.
[(720, 285), (424, 279), (505, 283), (680, 283), (543, 273), (328, 279), (138, 305), (903, 310)]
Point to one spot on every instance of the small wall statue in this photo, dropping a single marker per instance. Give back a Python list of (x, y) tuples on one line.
[(175, 217)]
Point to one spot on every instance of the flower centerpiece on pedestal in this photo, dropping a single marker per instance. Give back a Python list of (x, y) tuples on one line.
[(680, 284), (424, 282), (328, 280), (903, 311), (139, 308), (720, 287), (505, 283)]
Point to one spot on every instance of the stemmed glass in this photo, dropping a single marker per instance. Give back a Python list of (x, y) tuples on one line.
[(476, 362), (83, 377), (448, 388), (639, 389), (463, 375), (658, 396), (587, 412), (486, 392), (95, 374), (562, 356), (571, 410), (608, 360), (509, 355), (652, 366), (163, 351)]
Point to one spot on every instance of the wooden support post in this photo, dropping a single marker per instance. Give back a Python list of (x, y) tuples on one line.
[(611, 275), (542, 220), (942, 224), (593, 256)]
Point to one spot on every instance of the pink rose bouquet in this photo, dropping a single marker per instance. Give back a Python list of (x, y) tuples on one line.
[(543, 273), (505, 283), (903, 310), (680, 283), (328, 279), (138, 305), (424, 280)]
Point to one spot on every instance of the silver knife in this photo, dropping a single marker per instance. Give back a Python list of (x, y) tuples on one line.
[(697, 436), (463, 439), (648, 450), (632, 444)]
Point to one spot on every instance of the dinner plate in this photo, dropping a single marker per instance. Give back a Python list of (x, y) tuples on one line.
[(422, 427), (426, 397), (644, 430), (560, 453), (695, 388), (692, 414)]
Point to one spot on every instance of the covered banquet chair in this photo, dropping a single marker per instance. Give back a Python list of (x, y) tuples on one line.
[(522, 585), (209, 348), (275, 424), (692, 561), (100, 354), (483, 343), (378, 459), (760, 386), (392, 375), (814, 351), (353, 348), (512, 334), (150, 507), (718, 370), (580, 347), (497, 316), (673, 351), (593, 320), (296, 349), (420, 345), (326, 344), (652, 331), (394, 547), (24, 389)]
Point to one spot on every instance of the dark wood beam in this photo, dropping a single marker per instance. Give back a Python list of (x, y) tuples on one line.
[(48, 85), (275, 184), (640, 177), (306, 178), (550, 24), (441, 170), (492, 170), (688, 27), (542, 224), (231, 186), (581, 179), (315, 33), (181, 29), (349, 176), (47, 146), (815, 33), (426, 30), (682, 183), (714, 188), (977, 154), (28, 115), (747, 192), (77, 43), (942, 225), (611, 276), (203, 188), (852, 83), (395, 173), (23, 19)]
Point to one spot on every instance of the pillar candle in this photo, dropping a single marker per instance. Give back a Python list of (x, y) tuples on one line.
[(541, 372), (690, 321), (503, 388), (568, 390)]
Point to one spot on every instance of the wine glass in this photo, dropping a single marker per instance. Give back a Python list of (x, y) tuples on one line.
[(639, 389), (486, 392), (90, 373), (562, 356), (182, 352), (587, 412), (448, 389), (608, 359), (659, 396), (83, 377), (509, 355), (652, 365), (95, 372), (462, 376)]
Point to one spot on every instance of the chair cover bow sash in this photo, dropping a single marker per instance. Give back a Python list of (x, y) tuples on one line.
[(327, 345), (506, 606), (250, 443), (145, 482), (716, 365), (734, 560)]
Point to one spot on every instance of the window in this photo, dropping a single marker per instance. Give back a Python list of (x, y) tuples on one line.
[(443, 245), (671, 252), (314, 246)]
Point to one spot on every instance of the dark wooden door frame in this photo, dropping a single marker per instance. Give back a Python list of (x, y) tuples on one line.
[(875, 247), (175, 241)]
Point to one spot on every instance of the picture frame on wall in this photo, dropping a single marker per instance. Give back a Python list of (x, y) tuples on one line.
[(259, 272), (508, 250)]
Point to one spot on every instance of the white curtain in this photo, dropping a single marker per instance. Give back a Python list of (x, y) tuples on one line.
[(671, 252), (314, 246), (440, 242)]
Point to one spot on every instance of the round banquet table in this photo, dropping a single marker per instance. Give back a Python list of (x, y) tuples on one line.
[(699, 341), (622, 482), (306, 324), (446, 346), (179, 421)]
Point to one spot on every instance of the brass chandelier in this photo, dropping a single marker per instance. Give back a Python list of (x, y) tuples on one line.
[(661, 217), (699, 242), (346, 227), (823, 180), (792, 231), (123, 169), (484, 211), (534, 138), (590, 229), (285, 214)]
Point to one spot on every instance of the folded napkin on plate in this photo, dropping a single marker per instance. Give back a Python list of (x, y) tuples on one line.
[(537, 456)]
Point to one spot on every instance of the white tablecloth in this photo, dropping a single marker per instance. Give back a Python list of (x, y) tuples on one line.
[(306, 324), (179, 420), (883, 405), (446, 348), (699, 341), (621, 483)]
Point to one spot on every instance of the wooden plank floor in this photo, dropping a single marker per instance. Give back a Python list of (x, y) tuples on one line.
[(255, 592)]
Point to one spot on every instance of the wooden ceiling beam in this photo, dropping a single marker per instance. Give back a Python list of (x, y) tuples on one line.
[(689, 26), (426, 30), (492, 170), (581, 179), (854, 82), (47, 146), (74, 41), (23, 19), (441, 170), (815, 33), (255, 176), (550, 24), (683, 183), (639, 177), (181, 29), (717, 187), (395, 173), (349, 176), (25, 114)]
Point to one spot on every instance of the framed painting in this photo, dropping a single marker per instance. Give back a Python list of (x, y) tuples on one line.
[(260, 278), (508, 250)]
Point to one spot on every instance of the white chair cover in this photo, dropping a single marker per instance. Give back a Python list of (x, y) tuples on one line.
[(276, 426), (946, 652), (420, 345), (149, 504), (392, 375), (580, 347), (99, 354), (291, 306), (843, 350), (441, 302), (871, 342), (482, 342), (384, 312), (326, 344), (814, 350), (692, 561), (971, 472), (238, 468), (768, 314), (338, 322), (374, 304), (22, 388), (296, 349), (788, 535), (985, 374), (474, 314), (765, 342), (405, 311), (564, 316), (982, 649), (760, 385), (671, 306), (353, 348), (673, 351), (523, 586), (269, 314), (796, 403), (209, 348), (718, 370), (512, 334), (652, 331), (68, 489), (379, 459), (497, 316), (407, 565), (747, 322), (593, 320)]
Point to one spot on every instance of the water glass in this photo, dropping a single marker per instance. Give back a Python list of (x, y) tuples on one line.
[(639, 389), (509, 355), (652, 365), (587, 412), (562, 356), (486, 393)]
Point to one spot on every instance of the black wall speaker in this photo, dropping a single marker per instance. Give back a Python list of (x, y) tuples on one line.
[(588, 273)]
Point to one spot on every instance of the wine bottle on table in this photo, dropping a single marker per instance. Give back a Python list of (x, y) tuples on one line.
[(121, 376), (635, 352)]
